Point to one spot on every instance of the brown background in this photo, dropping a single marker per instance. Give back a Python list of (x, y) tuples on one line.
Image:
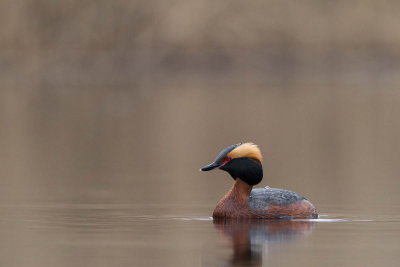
[(123, 101)]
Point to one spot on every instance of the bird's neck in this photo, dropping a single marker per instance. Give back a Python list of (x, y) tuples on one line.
[(240, 190), (234, 203)]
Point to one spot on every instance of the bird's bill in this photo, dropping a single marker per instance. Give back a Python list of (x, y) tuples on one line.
[(210, 167)]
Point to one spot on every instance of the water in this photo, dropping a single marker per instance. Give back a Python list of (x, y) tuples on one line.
[(147, 235), (332, 144), (122, 102)]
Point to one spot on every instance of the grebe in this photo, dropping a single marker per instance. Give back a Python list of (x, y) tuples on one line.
[(243, 162)]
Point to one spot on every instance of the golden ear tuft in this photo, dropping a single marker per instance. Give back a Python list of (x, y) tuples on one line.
[(248, 150)]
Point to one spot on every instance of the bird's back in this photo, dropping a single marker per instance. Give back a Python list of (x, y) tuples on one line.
[(279, 203)]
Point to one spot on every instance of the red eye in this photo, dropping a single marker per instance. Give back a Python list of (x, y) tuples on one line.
[(226, 160)]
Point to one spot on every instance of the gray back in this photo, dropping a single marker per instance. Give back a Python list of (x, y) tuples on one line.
[(260, 198)]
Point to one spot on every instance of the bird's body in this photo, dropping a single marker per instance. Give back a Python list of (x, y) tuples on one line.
[(265, 203), (242, 201)]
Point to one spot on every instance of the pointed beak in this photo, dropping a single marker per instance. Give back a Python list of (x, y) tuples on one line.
[(209, 167)]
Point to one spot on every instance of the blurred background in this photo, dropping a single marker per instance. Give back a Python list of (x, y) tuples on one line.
[(123, 101)]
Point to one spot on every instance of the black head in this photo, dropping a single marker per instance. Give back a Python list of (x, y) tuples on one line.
[(240, 161)]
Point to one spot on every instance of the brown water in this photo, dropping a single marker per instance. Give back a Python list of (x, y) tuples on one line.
[(109, 108), (147, 235), (110, 177)]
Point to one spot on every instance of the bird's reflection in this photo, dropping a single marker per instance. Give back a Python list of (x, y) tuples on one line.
[(250, 238)]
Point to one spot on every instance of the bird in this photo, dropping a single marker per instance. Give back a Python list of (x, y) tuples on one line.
[(243, 162)]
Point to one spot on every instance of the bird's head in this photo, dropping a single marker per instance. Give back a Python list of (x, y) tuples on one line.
[(241, 161)]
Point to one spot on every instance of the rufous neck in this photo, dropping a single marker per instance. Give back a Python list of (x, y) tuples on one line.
[(241, 188)]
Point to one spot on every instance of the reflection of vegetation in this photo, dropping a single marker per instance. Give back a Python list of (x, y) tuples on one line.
[(87, 86), (141, 38), (128, 24), (249, 237)]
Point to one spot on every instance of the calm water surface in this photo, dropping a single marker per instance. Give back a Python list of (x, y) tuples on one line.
[(129, 235)]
